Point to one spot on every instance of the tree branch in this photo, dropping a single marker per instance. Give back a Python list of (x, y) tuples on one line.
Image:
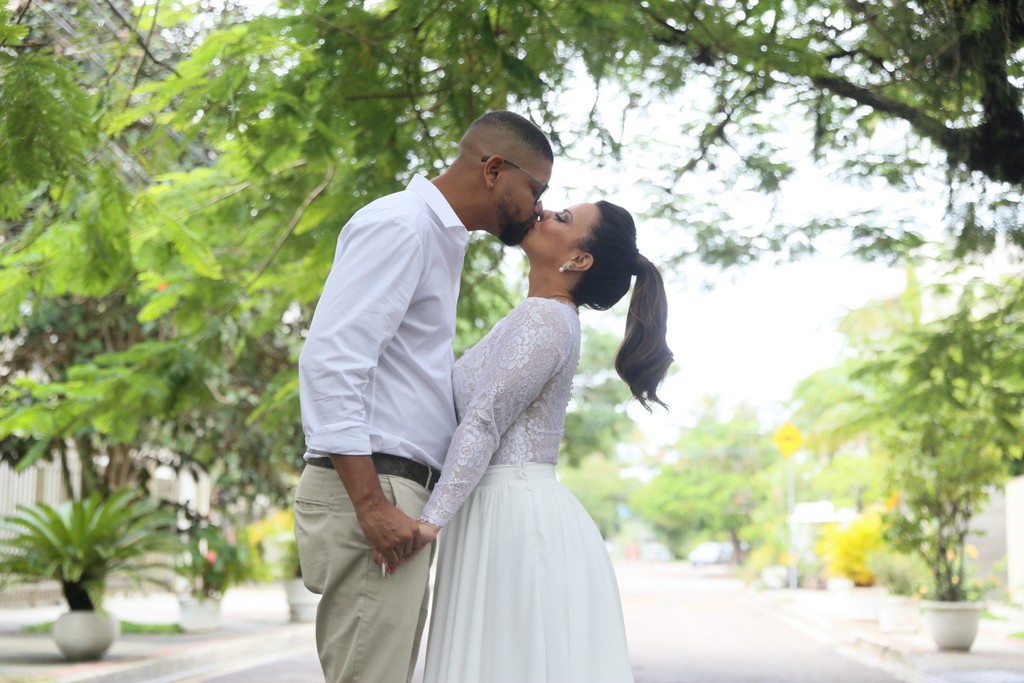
[(143, 43), (299, 213), (926, 125)]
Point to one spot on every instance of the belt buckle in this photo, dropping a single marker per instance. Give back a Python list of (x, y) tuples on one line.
[(430, 475)]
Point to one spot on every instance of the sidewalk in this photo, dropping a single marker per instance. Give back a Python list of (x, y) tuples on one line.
[(848, 619), (255, 628)]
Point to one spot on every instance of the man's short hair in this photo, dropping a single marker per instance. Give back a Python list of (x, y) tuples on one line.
[(515, 128)]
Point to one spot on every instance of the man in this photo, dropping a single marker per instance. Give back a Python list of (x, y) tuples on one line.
[(376, 394)]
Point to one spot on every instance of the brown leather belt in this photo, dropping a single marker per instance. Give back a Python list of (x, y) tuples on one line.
[(393, 465)]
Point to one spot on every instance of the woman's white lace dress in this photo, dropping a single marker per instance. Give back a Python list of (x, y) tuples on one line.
[(525, 591)]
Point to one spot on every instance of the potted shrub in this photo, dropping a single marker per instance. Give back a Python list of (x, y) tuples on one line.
[(942, 483), (80, 544), (275, 536), (949, 423), (904, 576), (845, 549), (214, 561)]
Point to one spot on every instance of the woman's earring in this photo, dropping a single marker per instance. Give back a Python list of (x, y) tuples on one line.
[(568, 265)]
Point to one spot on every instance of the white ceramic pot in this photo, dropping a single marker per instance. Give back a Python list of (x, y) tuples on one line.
[(899, 614), (199, 614), (953, 625), (775, 576), (83, 635), (864, 602), (302, 602)]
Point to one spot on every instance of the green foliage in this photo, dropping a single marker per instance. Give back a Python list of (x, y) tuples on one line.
[(45, 127), (713, 489), (847, 548), (126, 627), (277, 549), (598, 485), (82, 543), (944, 402), (902, 574), (596, 422), (171, 191)]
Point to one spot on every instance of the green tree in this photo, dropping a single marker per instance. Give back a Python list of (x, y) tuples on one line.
[(598, 484), (171, 190), (946, 404), (158, 299), (715, 485), (596, 422), (880, 91)]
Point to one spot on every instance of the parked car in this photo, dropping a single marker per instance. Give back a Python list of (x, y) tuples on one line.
[(711, 552), (655, 552)]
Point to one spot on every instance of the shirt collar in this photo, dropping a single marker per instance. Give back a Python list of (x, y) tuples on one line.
[(435, 201)]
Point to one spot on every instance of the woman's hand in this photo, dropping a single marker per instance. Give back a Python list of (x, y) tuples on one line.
[(428, 532)]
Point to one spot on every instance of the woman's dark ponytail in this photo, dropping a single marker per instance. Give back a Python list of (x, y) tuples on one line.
[(644, 357)]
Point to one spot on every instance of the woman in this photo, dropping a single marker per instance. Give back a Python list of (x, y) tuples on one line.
[(525, 590)]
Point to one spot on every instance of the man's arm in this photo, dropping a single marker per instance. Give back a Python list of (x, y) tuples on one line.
[(361, 307), (391, 532)]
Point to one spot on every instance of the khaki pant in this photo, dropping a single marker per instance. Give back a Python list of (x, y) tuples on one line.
[(368, 627)]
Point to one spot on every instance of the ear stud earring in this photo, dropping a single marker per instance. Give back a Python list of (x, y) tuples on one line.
[(568, 265)]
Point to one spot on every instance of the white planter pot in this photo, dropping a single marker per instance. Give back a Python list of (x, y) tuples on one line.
[(302, 602), (199, 614), (864, 602), (834, 583), (898, 614), (775, 576), (83, 635), (953, 625)]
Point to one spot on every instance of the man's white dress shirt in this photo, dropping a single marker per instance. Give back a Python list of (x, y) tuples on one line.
[(375, 373)]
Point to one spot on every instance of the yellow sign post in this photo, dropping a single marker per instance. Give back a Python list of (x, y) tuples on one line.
[(788, 440)]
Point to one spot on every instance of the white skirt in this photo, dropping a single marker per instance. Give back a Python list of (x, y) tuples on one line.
[(525, 591)]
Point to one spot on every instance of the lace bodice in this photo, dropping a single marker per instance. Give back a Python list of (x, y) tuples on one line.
[(511, 393)]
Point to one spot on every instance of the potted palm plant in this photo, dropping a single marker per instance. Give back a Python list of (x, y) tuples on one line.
[(81, 544)]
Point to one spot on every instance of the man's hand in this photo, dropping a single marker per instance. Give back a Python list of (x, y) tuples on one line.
[(389, 531), (392, 534), (427, 533)]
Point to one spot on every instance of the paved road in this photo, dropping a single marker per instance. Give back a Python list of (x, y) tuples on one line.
[(682, 628), (685, 628)]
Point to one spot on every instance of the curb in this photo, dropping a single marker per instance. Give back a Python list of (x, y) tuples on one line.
[(180, 662)]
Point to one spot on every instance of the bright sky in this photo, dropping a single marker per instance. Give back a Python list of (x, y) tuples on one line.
[(757, 330)]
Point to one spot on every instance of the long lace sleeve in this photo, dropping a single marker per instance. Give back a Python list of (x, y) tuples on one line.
[(526, 352)]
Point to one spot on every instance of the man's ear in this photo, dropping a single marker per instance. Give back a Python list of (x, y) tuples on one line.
[(492, 167)]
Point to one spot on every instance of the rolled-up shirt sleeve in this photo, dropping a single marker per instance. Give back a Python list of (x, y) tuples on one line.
[(376, 269)]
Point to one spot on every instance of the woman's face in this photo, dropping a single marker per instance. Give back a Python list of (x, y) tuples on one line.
[(556, 237)]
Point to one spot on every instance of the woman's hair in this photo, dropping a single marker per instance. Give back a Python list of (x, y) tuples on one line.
[(644, 357)]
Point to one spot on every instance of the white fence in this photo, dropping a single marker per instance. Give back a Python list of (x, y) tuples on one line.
[(42, 483)]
